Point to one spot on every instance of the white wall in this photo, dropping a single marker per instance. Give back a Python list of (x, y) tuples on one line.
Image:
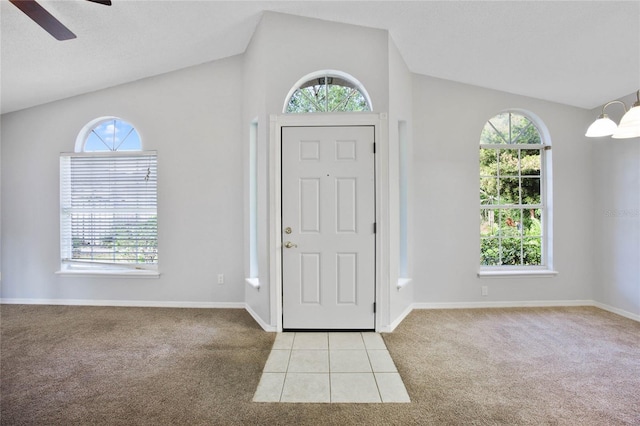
[(448, 119), (297, 46), (0, 207), (400, 110), (284, 49), (192, 118), (198, 120), (254, 109), (616, 206)]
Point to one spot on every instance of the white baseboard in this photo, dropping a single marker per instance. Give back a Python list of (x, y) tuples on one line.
[(256, 317), (270, 328), (527, 304), (397, 321), (620, 312), (142, 304), (511, 304), (125, 303)]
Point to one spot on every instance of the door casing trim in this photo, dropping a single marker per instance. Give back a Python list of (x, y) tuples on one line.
[(380, 124)]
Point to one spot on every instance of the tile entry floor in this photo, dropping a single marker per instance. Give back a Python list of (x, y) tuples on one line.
[(330, 367)]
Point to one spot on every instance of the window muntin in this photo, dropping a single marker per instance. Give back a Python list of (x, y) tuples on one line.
[(111, 135), (512, 193), (328, 92), (108, 197)]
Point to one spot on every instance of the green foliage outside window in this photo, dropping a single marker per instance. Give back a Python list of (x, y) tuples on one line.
[(326, 98), (129, 238), (510, 192)]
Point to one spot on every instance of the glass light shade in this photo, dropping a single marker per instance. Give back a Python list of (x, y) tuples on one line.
[(629, 125), (603, 126)]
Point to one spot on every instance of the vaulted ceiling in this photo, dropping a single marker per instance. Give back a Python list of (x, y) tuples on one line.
[(580, 53)]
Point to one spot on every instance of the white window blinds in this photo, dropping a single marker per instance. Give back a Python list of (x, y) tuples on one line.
[(109, 209)]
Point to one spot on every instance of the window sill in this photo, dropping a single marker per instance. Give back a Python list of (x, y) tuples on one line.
[(402, 283), (123, 273), (530, 273), (253, 282)]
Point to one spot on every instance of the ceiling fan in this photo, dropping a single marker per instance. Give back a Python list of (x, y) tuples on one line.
[(47, 21)]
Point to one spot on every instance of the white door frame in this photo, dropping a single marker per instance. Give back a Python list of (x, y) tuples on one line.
[(380, 123)]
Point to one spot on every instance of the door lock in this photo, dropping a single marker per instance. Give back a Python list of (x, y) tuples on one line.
[(287, 230), (289, 244)]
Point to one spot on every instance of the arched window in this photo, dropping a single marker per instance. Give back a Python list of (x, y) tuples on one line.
[(108, 134), (514, 190), (327, 91), (108, 201)]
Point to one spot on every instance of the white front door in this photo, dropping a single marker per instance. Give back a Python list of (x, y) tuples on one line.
[(328, 227)]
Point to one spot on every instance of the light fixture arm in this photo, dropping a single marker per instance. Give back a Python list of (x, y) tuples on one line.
[(637, 103), (629, 126), (637, 100), (611, 103)]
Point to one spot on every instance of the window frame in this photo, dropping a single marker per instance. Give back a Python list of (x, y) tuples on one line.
[(545, 268), (85, 267), (326, 76)]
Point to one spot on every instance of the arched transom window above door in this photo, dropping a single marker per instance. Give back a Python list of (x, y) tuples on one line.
[(327, 91)]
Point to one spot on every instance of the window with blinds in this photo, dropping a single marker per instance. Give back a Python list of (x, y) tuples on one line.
[(109, 210), (108, 201)]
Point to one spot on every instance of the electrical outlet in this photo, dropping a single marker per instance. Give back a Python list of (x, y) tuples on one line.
[(484, 290), (220, 278)]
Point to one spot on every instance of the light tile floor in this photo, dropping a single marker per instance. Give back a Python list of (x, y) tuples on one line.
[(330, 367)]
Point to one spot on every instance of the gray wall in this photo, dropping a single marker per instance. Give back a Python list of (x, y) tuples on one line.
[(448, 119), (198, 120), (284, 49), (192, 118), (400, 110), (616, 205)]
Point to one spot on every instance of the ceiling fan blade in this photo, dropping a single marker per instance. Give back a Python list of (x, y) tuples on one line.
[(105, 2), (43, 18)]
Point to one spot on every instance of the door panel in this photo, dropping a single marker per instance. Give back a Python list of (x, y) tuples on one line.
[(328, 203), (310, 278), (309, 205), (347, 277), (346, 201)]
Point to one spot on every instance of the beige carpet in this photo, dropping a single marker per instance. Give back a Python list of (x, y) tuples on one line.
[(150, 366)]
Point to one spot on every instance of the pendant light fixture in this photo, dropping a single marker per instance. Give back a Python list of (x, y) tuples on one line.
[(629, 125)]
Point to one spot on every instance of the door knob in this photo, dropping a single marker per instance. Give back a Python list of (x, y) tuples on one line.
[(289, 244)]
